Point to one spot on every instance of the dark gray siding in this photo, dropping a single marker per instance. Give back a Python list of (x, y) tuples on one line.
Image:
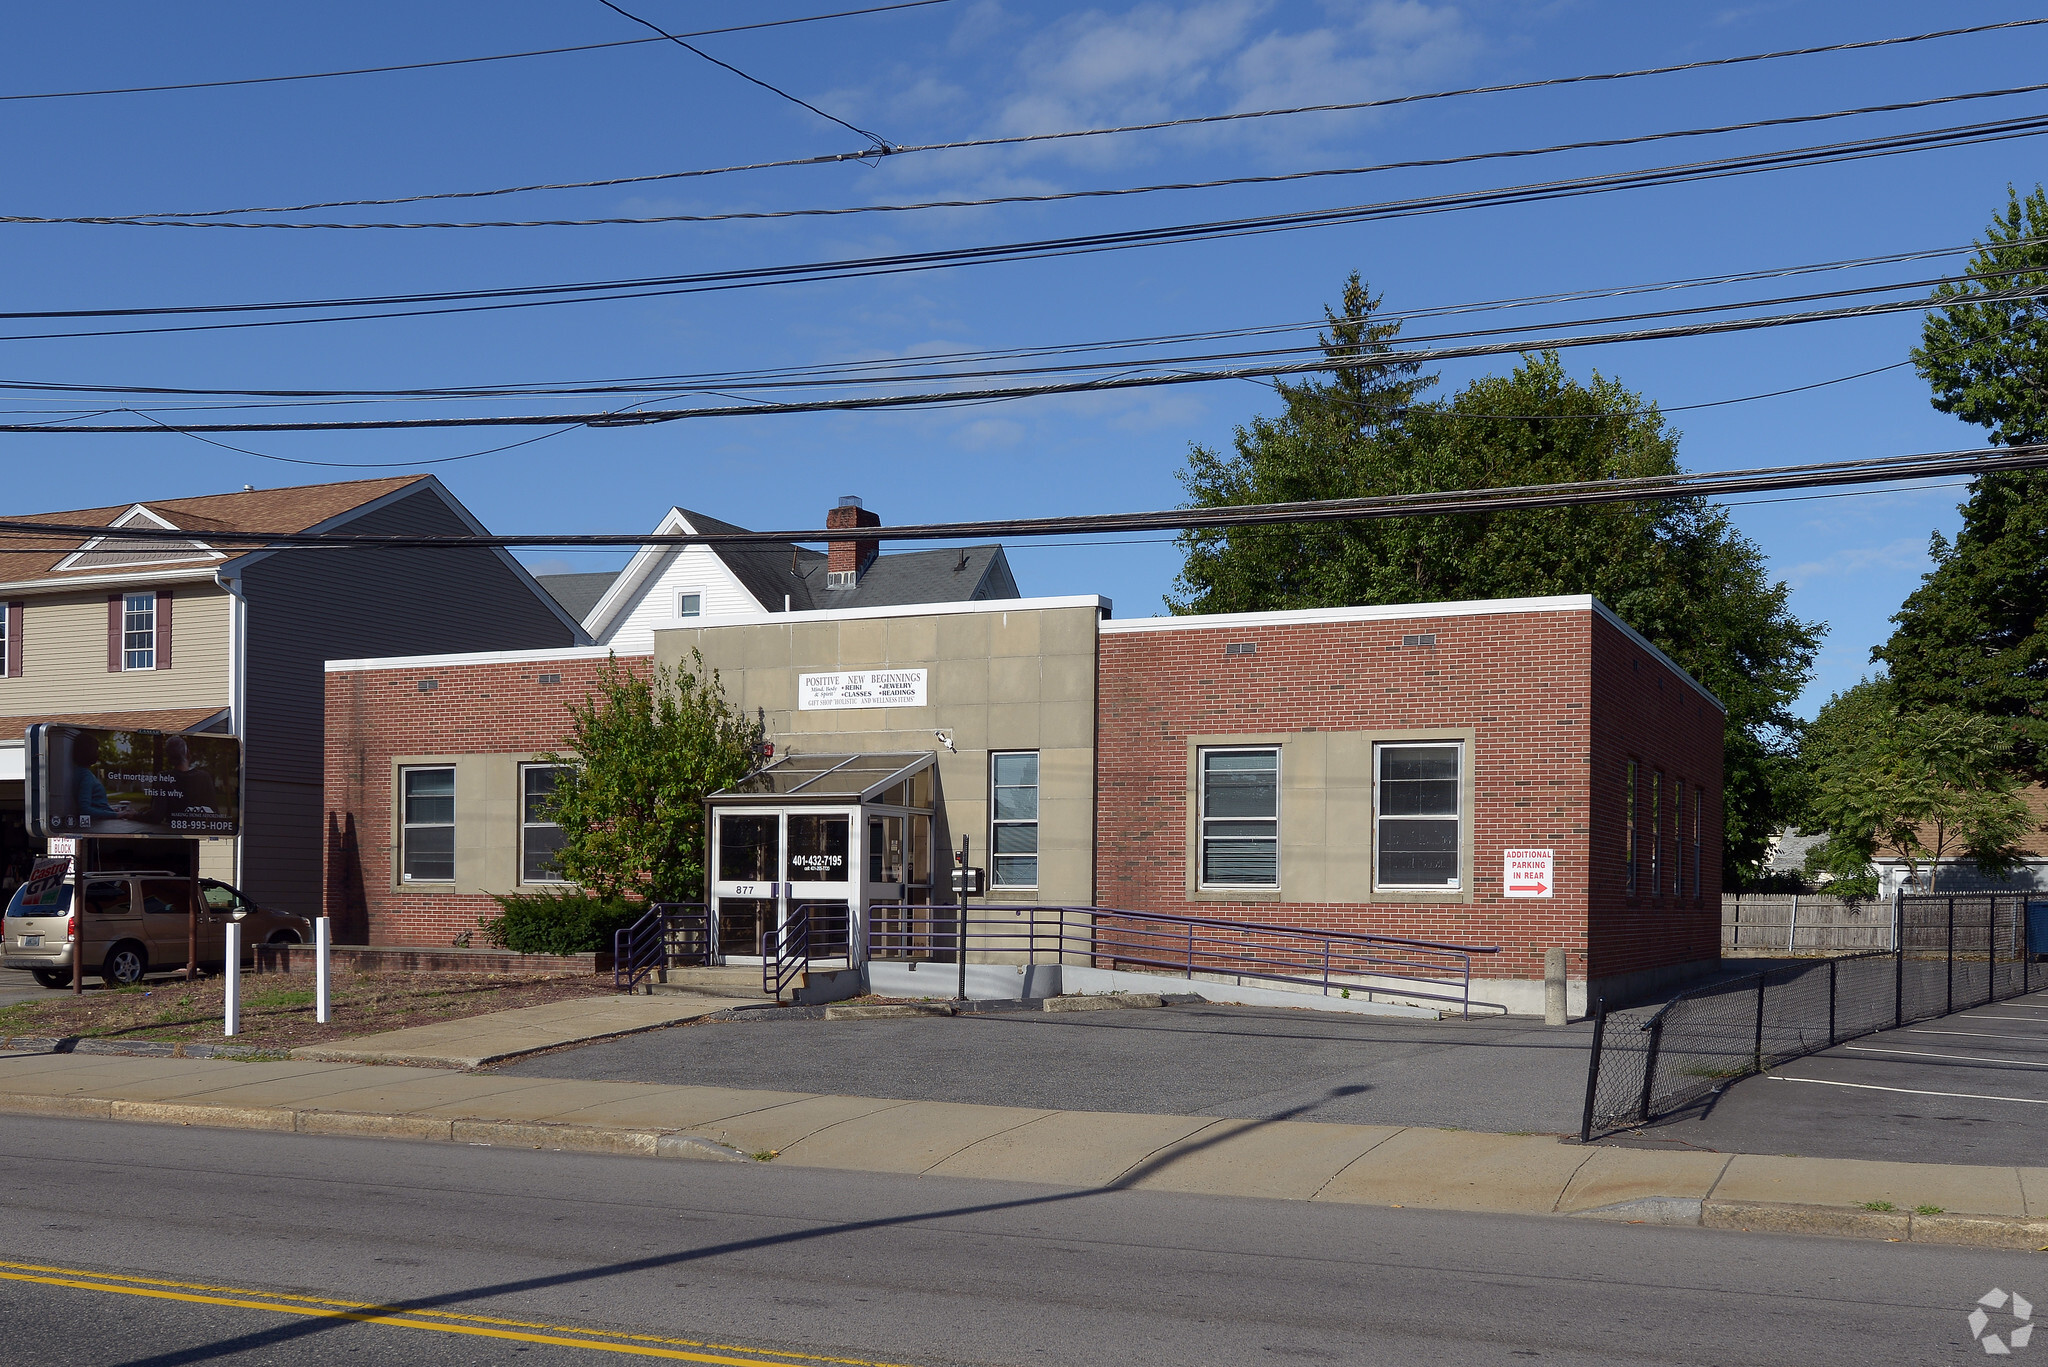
[(308, 607)]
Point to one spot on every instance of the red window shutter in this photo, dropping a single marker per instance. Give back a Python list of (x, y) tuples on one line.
[(15, 612), (113, 633), (163, 628)]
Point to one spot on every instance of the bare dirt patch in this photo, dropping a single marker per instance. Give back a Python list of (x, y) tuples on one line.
[(277, 1008)]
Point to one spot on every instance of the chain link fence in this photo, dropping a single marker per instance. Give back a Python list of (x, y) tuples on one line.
[(1950, 954)]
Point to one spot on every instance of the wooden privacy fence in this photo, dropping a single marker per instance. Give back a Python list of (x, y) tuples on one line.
[(1803, 923)]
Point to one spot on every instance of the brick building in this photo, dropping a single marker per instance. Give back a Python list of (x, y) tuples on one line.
[(1364, 768)]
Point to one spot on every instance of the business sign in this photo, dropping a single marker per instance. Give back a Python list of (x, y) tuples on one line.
[(873, 688), (42, 892), (87, 780), (1528, 873)]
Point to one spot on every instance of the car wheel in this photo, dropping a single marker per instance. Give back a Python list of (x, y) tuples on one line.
[(53, 977), (284, 937), (125, 965)]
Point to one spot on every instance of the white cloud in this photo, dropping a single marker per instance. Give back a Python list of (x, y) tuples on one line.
[(1905, 554)]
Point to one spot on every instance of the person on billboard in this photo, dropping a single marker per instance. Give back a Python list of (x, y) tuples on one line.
[(195, 786), (86, 788)]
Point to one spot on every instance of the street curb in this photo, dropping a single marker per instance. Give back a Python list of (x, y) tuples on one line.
[(1110, 1001), (1979, 1231)]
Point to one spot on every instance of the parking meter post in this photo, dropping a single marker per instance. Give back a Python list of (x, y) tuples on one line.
[(321, 940), (231, 983)]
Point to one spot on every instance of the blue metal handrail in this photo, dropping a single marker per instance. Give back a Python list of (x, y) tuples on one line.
[(1303, 956), (670, 935)]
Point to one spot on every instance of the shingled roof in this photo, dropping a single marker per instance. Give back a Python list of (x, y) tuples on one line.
[(27, 558)]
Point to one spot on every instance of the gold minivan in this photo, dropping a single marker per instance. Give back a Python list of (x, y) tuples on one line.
[(135, 924)]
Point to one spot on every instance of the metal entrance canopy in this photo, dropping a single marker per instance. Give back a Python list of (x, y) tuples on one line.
[(902, 779)]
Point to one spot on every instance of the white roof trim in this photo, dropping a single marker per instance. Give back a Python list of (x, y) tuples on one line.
[(539, 655), (1085, 600), (1394, 612), (174, 553), (125, 576), (645, 565)]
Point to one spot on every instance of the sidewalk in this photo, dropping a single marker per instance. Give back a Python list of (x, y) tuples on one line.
[(1280, 1159), (477, 1041)]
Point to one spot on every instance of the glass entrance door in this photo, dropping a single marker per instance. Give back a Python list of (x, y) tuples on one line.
[(747, 866), (821, 879)]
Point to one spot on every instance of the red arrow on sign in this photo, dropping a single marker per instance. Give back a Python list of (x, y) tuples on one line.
[(1526, 887)]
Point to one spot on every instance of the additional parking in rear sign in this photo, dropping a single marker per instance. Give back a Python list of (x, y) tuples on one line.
[(1527, 873)]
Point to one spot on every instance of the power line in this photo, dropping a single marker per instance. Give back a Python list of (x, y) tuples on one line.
[(1578, 493), (1051, 197), (869, 153), (1100, 385), (531, 296), (881, 144), (464, 61)]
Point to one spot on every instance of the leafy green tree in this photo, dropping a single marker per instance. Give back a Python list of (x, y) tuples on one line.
[(1675, 570), (1974, 635), (643, 751), (1921, 786)]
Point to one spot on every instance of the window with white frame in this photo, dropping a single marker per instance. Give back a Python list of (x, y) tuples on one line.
[(689, 602), (540, 839), (1013, 809), (1240, 816), (1418, 811), (138, 631), (1631, 851), (427, 831), (5, 612)]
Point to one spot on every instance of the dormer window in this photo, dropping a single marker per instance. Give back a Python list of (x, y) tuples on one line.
[(115, 552)]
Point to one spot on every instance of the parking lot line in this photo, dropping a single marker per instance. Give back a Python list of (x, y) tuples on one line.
[(2025, 1020), (1978, 1034), (1908, 1091), (1961, 1058)]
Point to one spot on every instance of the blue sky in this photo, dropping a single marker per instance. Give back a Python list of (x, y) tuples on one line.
[(970, 69)]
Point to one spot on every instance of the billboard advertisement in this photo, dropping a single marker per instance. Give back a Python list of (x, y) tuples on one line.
[(85, 780)]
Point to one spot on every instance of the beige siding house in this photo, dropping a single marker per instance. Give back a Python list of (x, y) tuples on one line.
[(107, 629)]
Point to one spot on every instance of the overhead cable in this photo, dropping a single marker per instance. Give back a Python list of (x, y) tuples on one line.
[(1022, 138), (1050, 197), (531, 296), (472, 61), (1578, 493), (1091, 386), (881, 144)]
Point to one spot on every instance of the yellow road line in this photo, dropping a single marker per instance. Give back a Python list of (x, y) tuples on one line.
[(397, 1317)]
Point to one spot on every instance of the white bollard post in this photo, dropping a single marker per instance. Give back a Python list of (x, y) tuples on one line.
[(322, 939), (232, 980)]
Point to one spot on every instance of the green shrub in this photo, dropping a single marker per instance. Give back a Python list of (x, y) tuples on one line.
[(568, 922)]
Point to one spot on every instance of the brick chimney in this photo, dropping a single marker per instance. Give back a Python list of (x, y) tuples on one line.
[(848, 560)]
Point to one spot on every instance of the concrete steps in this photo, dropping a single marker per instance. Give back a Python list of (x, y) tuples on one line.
[(739, 981)]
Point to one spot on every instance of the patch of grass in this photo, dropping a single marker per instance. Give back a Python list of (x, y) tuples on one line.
[(1881, 1207), (277, 999), (767, 1155), (1929, 1210)]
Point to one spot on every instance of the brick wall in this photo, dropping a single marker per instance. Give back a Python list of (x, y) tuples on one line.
[(1522, 682), (374, 716)]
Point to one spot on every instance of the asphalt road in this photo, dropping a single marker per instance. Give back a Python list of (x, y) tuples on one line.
[(255, 1242), (1246, 1062), (1966, 1088)]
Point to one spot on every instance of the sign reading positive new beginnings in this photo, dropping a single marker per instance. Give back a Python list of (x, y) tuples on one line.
[(870, 688), (1528, 873)]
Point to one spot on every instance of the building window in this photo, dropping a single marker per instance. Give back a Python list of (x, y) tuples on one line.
[(1656, 833), (1630, 849), (427, 839), (540, 839), (1013, 808), (1417, 802), (138, 631), (1240, 817), (1678, 839), (6, 639), (1699, 870), (690, 603)]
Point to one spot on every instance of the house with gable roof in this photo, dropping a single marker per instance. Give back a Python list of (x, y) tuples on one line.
[(186, 635)]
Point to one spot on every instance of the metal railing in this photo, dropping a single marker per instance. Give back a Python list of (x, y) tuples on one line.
[(813, 931), (1954, 953), (670, 935), (1331, 961)]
